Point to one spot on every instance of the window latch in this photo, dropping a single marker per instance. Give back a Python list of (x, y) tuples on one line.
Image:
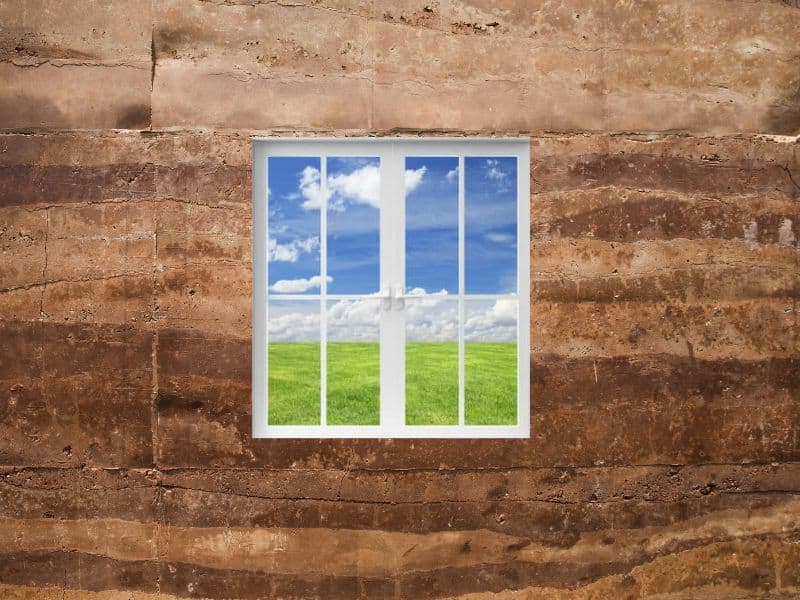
[(393, 298)]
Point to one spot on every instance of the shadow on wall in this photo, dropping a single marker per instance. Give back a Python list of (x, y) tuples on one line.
[(169, 42), (135, 116), (23, 110), (30, 111), (784, 116)]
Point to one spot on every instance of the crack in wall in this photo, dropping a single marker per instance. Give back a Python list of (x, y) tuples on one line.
[(47, 282), (42, 314), (66, 62)]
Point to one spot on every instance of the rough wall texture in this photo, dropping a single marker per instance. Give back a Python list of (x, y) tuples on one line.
[(665, 455)]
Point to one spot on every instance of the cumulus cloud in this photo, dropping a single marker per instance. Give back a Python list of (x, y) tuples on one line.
[(359, 186), (414, 177), (418, 291), (294, 322), (308, 189), (452, 174), (348, 321), (429, 318), (297, 286), (491, 321), (494, 171), (354, 321), (290, 252), (434, 318)]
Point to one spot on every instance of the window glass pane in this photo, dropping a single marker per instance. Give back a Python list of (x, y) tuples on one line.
[(293, 362), (353, 225), (293, 236), (490, 362), (353, 362), (432, 224), (432, 361), (490, 199)]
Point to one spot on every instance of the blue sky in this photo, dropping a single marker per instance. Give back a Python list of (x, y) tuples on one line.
[(354, 225), (490, 228), (293, 238), (353, 239), (432, 225), (490, 252)]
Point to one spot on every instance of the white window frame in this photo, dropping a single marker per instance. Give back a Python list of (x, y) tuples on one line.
[(392, 153)]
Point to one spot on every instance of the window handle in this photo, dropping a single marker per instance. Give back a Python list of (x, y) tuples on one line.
[(393, 298), (399, 298), (386, 298)]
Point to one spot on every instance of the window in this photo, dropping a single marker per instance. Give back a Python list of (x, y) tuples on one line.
[(391, 287)]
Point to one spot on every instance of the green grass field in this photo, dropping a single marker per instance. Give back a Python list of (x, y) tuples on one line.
[(490, 393)]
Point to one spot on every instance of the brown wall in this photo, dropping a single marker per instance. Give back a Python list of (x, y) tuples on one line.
[(665, 453)]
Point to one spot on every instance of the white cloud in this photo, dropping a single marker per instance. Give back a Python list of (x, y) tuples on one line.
[(452, 174), (418, 291), (275, 226), (491, 321), (294, 322), (429, 318), (348, 321), (500, 238), (354, 321), (360, 186), (414, 177), (297, 286), (308, 188), (434, 318), (291, 252), (494, 170)]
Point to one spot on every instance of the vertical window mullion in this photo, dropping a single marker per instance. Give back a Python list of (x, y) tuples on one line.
[(523, 290), (323, 301), (260, 304), (461, 291), (392, 252)]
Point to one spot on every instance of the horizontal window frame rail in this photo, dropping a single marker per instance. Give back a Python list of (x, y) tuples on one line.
[(277, 297), (407, 432)]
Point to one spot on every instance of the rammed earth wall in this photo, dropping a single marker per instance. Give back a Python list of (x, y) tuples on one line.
[(665, 453)]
